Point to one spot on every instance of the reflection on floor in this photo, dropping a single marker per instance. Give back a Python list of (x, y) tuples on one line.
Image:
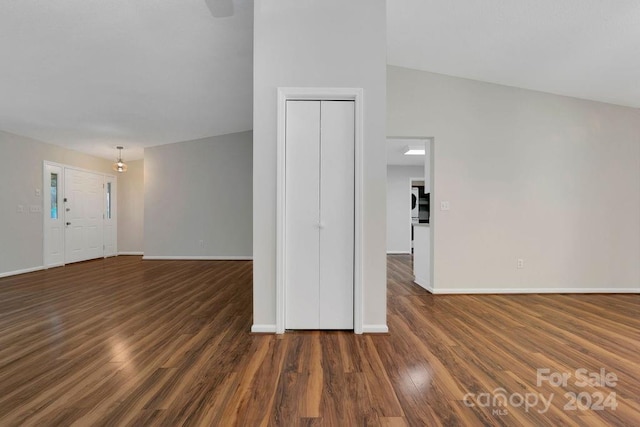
[(123, 341)]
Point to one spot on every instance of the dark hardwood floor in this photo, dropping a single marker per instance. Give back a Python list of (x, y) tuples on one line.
[(123, 341)]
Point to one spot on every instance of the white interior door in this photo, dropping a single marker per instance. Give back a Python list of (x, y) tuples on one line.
[(337, 214), (53, 191), (319, 214), (302, 215), (83, 215)]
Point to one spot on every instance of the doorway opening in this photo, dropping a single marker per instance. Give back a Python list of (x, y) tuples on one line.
[(412, 215)]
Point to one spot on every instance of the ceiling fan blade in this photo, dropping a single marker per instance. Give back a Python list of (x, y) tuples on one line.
[(220, 8)]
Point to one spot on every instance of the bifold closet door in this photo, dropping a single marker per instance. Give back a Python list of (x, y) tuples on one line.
[(319, 222), (302, 215), (336, 214)]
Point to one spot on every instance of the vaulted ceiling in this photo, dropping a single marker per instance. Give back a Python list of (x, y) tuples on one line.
[(582, 48), (91, 74)]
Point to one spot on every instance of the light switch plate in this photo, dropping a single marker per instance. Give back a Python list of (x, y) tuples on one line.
[(38, 192), (35, 209), (444, 206), (20, 209)]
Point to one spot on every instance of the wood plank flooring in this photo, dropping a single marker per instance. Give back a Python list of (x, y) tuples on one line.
[(126, 342)]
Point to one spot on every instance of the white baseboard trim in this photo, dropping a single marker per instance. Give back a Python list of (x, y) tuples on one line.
[(263, 329), (367, 329), (60, 264), (423, 284), (537, 291), (131, 253), (398, 252), (198, 258), (23, 271), (375, 329)]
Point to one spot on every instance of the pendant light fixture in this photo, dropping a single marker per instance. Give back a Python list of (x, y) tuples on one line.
[(120, 166)]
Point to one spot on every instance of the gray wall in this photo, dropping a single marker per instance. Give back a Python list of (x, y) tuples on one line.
[(399, 206), (131, 209), (197, 198), (550, 179), (21, 174), (319, 43)]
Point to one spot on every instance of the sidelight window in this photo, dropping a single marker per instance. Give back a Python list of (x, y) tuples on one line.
[(108, 213), (54, 196)]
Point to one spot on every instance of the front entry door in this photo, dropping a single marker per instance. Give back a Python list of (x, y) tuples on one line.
[(83, 204)]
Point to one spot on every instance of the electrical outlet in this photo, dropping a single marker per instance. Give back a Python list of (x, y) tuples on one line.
[(20, 209), (38, 192), (444, 206), (520, 263), (201, 243)]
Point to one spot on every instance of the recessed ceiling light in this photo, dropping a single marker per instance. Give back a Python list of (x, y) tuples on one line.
[(414, 151)]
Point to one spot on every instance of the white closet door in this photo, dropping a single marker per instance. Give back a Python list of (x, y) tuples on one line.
[(337, 214), (319, 214), (302, 215)]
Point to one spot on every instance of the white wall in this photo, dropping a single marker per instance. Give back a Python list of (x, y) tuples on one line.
[(319, 43), (550, 179), (21, 174), (399, 206), (197, 198), (131, 209)]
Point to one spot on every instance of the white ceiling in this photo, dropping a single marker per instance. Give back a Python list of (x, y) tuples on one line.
[(582, 48), (92, 74)]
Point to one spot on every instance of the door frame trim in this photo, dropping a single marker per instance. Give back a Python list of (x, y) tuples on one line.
[(319, 94)]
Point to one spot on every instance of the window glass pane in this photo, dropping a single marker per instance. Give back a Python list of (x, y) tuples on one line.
[(54, 196), (108, 200)]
